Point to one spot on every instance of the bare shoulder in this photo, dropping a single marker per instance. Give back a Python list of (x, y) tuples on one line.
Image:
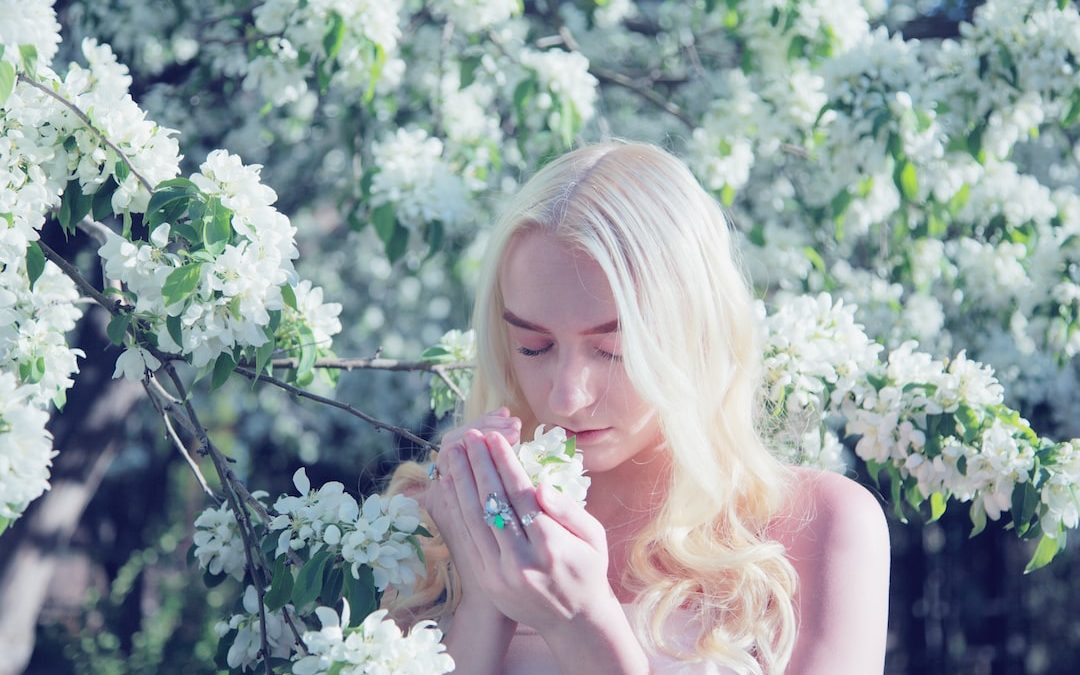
[(835, 535), (828, 509)]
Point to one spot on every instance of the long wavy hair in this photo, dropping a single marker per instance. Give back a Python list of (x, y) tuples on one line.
[(691, 348)]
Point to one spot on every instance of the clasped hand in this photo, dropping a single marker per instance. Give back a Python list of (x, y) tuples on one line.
[(546, 574)]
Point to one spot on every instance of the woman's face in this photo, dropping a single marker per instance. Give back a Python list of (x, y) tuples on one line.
[(566, 356)]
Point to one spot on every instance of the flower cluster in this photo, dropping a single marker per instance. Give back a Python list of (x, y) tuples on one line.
[(413, 177), (25, 449), (473, 16), (551, 459), (567, 96), (247, 640), (218, 546), (380, 533), (335, 42), (377, 645)]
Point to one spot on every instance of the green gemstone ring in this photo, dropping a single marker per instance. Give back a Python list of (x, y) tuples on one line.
[(496, 511)]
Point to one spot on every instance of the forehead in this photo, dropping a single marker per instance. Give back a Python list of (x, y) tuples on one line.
[(545, 281)]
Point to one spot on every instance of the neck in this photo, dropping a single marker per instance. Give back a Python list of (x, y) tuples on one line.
[(625, 500)]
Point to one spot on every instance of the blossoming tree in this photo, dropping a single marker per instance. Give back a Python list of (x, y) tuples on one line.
[(933, 185)]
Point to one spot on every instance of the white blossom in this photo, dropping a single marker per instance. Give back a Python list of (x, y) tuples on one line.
[(550, 460), (376, 647)]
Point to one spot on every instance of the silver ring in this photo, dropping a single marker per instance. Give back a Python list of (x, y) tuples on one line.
[(497, 513), (433, 472), (528, 518)]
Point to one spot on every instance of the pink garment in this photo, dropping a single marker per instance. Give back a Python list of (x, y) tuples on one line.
[(529, 654)]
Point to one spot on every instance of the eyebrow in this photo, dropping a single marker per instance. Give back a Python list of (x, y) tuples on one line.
[(513, 319)]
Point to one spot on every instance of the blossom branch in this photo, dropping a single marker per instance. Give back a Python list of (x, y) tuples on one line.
[(233, 495), (341, 406), (90, 124)]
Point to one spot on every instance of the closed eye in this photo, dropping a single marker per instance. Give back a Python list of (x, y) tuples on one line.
[(533, 352), (537, 352)]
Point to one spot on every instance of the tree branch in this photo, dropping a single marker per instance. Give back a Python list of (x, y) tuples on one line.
[(85, 287), (372, 364), (90, 124), (341, 406), (247, 531)]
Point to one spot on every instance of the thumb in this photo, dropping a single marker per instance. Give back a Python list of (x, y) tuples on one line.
[(571, 515)]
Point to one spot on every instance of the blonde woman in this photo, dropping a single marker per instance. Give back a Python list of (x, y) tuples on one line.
[(611, 303)]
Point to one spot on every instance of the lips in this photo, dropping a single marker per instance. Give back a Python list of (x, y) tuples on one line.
[(586, 435)]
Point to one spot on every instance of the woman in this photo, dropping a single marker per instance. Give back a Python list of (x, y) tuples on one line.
[(610, 303)]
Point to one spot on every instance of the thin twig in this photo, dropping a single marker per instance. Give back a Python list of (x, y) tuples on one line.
[(89, 123), (449, 383), (372, 364), (180, 444), (243, 520), (615, 77), (428, 445)]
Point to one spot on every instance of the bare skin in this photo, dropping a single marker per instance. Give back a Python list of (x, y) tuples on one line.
[(561, 575)]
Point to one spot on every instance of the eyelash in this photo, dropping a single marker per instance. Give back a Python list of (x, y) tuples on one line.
[(537, 352)]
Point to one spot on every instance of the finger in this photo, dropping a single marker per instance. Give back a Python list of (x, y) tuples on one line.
[(448, 519), (519, 487), (571, 515), (470, 502), (488, 482)]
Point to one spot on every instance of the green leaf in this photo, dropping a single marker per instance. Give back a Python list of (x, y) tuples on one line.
[(118, 326), (422, 531), (333, 586), (217, 228), (397, 245), (102, 200), (433, 235), (35, 262), (1025, 499), (263, 354), (73, 206), (469, 64), (566, 121), (167, 205), (181, 283), (908, 181), (570, 448), (29, 56), (1062, 4), (281, 586), (815, 258), (360, 592), (840, 202), (309, 581), (1044, 553), (523, 94), (384, 219), (221, 656), (1073, 112), (978, 519), (4, 522), (121, 170), (223, 367), (727, 195), (309, 351), (897, 487), (7, 80), (212, 580), (289, 296), (173, 325), (937, 506), (334, 37)]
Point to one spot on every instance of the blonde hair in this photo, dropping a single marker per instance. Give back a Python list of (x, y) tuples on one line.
[(690, 348)]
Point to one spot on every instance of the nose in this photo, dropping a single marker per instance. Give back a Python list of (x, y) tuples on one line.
[(571, 388)]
